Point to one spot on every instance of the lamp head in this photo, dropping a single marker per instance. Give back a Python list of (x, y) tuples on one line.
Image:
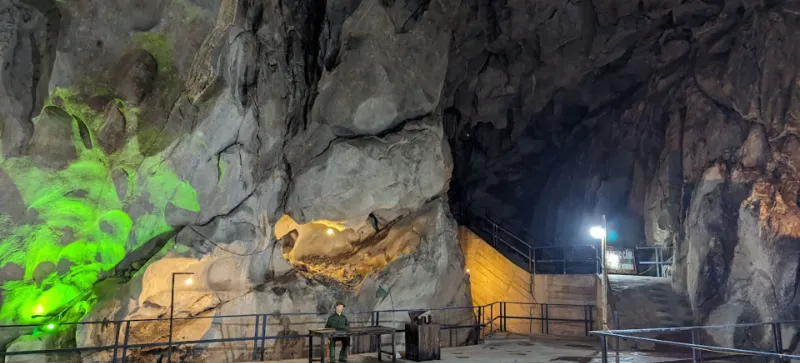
[(597, 232)]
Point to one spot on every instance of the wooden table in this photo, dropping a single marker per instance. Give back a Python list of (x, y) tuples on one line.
[(351, 332)]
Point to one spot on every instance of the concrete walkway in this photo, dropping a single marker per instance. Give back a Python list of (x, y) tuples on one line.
[(526, 350)]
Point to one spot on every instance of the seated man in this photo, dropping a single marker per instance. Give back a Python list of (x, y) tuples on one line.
[(339, 322)]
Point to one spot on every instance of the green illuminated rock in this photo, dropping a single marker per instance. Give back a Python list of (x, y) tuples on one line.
[(172, 137), (76, 223)]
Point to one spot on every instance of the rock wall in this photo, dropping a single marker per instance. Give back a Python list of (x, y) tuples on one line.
[(675, 118), (285, 154), (226, 138)]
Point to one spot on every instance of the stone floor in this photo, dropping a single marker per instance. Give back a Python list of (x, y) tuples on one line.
[(528, 350)]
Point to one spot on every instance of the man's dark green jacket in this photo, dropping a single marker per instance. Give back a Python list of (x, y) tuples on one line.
[(337, 321)]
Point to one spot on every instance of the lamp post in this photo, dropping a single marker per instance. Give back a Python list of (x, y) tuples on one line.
[(601, 233), (188, 281), (382, 294)]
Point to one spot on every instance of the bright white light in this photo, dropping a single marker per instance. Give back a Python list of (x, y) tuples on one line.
[(612, 261), (329, 231), (467, 270), (188, 281), (597, 232)]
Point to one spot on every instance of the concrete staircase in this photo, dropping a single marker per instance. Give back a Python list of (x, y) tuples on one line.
[(640, 301), (647, 302)]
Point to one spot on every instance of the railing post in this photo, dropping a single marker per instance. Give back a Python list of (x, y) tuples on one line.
[(541, 318), (604, 349), (502, 316), (378, 341), (505, 316), (695, 355), (616, 339), (585, 321), (125, 340), (255, 339), (479, 325), (371, 337), (658, 262), (530, 261), (547, 318), (117, 328), (491, 319), (777, 340), (263, 338)]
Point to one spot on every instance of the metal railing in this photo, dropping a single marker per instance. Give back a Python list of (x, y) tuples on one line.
[(476, 324), (698, 351), (656, 259), (566, 260), (573, 318)]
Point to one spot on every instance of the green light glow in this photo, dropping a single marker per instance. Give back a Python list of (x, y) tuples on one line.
[(77, 225)]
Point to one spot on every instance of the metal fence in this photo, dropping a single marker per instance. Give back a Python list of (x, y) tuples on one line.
[(570, 260), (460, 325), (545, 319), (770, 334)]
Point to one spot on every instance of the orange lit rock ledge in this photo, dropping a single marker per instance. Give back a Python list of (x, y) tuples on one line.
[(347, 255), (774, 214)]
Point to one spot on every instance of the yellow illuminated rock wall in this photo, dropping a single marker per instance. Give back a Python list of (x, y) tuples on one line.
[(495, 278)]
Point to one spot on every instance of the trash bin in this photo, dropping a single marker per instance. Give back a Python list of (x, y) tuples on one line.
[(422, 342)]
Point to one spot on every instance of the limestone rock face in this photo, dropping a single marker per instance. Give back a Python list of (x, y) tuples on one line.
[(174, 136), (355, 178), (134, 75), (675, 119), (26, 52), (392, 68), (52, 144)]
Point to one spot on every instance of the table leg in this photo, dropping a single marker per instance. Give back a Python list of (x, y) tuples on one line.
[(380, 356), (394, 354), (324, 348), (310, 348)]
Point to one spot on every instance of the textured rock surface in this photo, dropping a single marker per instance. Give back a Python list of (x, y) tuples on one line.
[(355, 178), (141, 140), (676, 119)]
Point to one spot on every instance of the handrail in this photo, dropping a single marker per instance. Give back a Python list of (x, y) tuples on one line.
[(233, 316), (697, 349), (481, 317), (485, 215), (534, 259)]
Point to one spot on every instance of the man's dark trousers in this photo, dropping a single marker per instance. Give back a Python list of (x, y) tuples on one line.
[(345, 344)]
